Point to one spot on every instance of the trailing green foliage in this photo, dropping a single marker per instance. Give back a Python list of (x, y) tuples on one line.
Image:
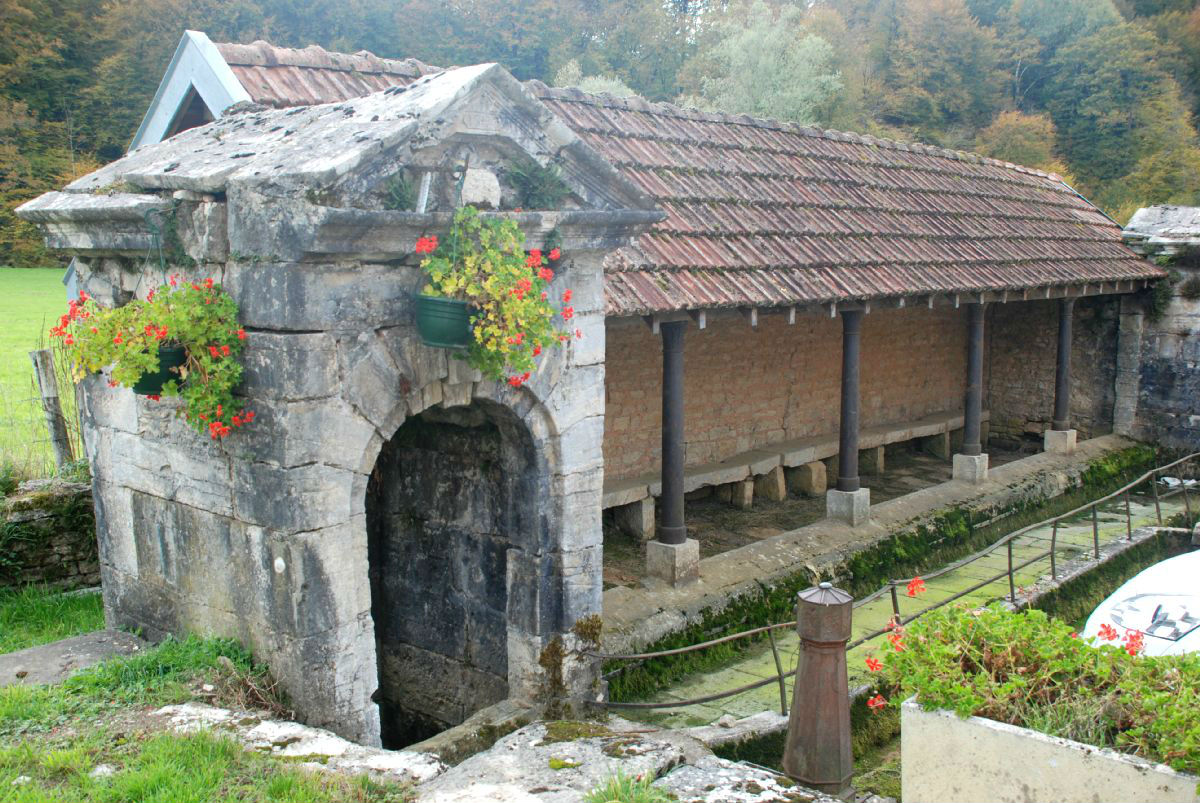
[(1029, 670), (948, 536), (399, 193), (35, 615)]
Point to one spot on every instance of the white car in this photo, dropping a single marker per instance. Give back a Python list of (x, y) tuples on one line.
[(1163, 602)]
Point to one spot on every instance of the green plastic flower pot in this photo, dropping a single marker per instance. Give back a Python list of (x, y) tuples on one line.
[(151, 384), (443, 322)]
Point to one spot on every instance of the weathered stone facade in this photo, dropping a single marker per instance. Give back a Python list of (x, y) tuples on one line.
[(1159, 377), (1019, 370), (295, 535), (49, 536), (1160, 399)]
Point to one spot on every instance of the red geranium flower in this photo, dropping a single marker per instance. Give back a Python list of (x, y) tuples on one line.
[(1108, 632), (555, 254), (875, 703), (915, 586), (874, 665)]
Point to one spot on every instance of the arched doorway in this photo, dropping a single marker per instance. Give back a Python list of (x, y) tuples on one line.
[(452, 496)]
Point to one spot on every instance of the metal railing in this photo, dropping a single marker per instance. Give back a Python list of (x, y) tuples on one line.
[(892, 587)]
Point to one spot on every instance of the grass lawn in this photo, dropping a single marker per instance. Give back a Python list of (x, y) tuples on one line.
[(34, 615), (53, 737), (30, 302)]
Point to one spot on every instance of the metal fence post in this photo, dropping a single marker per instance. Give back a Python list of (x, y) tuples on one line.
[(1053, 547), (1012, 583), (817, 753), (1095, 533), (1154, 487), (1128, 519)]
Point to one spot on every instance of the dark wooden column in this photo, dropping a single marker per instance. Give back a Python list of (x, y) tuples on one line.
[(1062, 374), (847, 479), (672, 529), (973, 409)]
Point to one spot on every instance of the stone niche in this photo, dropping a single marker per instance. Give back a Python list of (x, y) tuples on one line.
[(401, 540)]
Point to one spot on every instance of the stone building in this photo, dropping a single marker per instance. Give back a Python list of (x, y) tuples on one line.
[(1160, 348), (405, 543)]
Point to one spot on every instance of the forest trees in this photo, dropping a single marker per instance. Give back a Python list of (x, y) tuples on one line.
[(1106, 91)]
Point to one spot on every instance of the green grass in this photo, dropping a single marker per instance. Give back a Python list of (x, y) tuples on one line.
[(156, 677), (53, 737), (30, 301), (171, 768), (36, 615)]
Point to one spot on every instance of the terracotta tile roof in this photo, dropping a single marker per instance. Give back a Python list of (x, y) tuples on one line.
[(761, 213), (282, 76)]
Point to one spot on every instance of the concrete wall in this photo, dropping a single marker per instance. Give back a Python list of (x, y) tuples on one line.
[(747, 387), (951, 759), (1022, 353), (263, 536)]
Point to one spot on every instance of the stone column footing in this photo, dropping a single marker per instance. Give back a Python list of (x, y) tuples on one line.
[(852, 507), (972, 468), (1060, 441), (675, 563)]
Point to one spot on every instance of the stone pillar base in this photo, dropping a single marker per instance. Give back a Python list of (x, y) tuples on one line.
[(808, 479), (1060, 441), (972, 468), (675, 563), (852, 507), (637, 519)]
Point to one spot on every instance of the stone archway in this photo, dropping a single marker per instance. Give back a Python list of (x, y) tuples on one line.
[(450, 504)]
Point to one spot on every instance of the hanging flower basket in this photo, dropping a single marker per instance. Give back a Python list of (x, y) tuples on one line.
[(443, 322), (489, 297), (170, 359)]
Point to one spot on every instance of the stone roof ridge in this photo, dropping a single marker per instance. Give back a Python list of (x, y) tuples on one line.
[(638, 103), (261, 53)]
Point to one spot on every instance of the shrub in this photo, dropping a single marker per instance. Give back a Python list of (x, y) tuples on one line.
[(1029, 670)]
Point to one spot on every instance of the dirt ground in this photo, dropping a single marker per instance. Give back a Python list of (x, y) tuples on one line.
[(719, 527)]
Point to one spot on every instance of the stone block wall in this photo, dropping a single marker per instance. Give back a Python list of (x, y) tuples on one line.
[(748, 387), (49, 536), (1159, 383), (1020, 366), (263, 536)]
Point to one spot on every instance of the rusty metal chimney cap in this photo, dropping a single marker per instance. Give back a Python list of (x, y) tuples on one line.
[(824, 594)]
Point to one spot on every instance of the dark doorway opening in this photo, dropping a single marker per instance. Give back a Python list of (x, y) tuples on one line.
[(448, 500)]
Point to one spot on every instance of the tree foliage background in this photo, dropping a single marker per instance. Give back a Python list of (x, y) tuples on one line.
[(1104, 92)]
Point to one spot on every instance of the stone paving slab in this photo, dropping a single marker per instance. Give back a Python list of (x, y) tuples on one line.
[(635, 617), (55, 662)]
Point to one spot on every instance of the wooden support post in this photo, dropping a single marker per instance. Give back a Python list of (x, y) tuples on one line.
[(672, 529), (1062, 371), (43, 370), (973, 412), (848, 479)]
